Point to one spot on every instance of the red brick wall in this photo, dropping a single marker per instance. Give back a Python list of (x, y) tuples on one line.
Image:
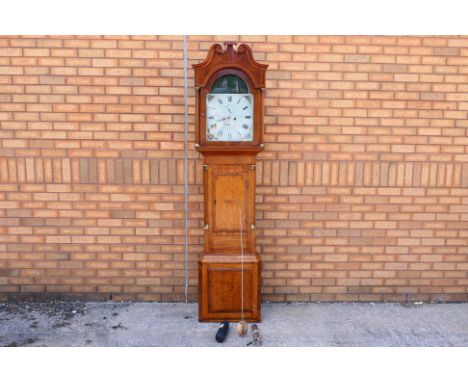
[(362, 187)]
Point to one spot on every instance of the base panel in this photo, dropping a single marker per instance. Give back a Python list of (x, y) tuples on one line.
[(220, 297)]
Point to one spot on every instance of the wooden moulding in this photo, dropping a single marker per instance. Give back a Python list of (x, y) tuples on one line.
[(229, 150), (219, 58)]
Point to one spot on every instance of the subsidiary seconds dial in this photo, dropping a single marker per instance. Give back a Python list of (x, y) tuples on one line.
[(229, 117)]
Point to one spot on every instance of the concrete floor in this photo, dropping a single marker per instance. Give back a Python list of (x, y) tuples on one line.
[(296, 324)]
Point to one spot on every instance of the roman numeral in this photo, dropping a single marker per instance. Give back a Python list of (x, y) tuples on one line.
[(229, 98), (245, 107), (245, 126), (247, 117)]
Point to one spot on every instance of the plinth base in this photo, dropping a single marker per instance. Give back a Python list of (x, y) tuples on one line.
[(220, 287)]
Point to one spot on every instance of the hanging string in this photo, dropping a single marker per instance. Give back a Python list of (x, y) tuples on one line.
[(242, 264), (186, 212)]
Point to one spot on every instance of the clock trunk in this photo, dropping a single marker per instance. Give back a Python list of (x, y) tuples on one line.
[(229, 201)]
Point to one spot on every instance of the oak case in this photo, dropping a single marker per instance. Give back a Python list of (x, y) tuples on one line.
[(229, 192)]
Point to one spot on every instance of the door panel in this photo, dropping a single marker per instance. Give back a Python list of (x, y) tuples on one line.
[(224, 290), (230, 194)]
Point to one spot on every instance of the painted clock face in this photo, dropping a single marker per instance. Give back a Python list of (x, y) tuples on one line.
[(229, 117)]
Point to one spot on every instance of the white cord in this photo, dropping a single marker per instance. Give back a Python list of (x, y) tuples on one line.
[(186, 167), (242, 264)]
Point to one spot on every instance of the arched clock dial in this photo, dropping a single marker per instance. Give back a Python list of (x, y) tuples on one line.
[(229, 117)]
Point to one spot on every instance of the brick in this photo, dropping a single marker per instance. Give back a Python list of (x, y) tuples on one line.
[(446, 51), (357, 58), (395, 68), (360, 188)]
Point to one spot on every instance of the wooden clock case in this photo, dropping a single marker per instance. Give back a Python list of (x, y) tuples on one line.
[(229, 193)]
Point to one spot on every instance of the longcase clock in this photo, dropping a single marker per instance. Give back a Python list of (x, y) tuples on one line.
[(229, 126)]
